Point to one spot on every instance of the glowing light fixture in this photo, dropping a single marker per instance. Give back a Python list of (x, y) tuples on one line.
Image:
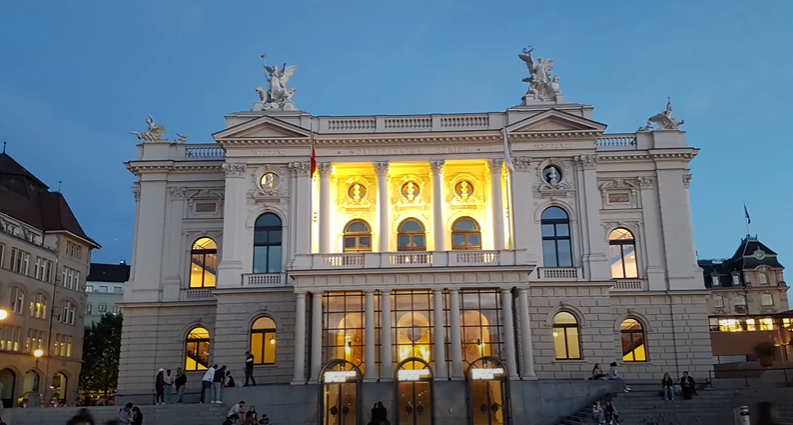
[(272, 341)]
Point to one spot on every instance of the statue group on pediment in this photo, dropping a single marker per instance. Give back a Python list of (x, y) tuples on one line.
[(542, 85), (277, 96)]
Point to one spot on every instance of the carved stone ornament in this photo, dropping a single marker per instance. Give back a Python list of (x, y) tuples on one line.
[(136, 193), (155, 132), (277, 96), (646, 181), (522, 163), (300, 169), (409, 192), (464, 191), (553, 181), (633, 226), (354, 193), (495, 165), (586, 161), (686, 179), (234, 169), (542, 85), (178, 192), (381, 169), (663, 121), (437, 166), (325, 169)]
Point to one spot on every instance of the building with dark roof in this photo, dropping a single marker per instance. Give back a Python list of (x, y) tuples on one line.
[(44, 258), (748, 301), (105, 290)]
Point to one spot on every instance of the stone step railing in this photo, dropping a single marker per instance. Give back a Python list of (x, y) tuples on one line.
[(375, 260)]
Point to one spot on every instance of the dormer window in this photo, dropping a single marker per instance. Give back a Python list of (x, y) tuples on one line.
[(736, 279), (714, 280)]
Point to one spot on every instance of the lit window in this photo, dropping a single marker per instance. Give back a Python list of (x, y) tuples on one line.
[(730, 325), (263, 341), (89, 308), (622, 251), (38, 306), (718, 301), (68, 310), (766, 324), (633, 347), (762, 278), (203, 263), (556, 248), (411, 236), (357, 237), (566, 340), (267, 237), (466, 234), (89, 288), (197, 350), (766, 300)]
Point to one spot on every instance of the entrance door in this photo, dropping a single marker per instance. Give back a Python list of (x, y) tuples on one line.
[(488, 392), (339, 402), (414, 392), (8, 380)]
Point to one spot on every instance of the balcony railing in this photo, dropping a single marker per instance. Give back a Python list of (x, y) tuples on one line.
[(270, 280), (617, 142), (628, 285), (377, 260), (210, 151), (558, 273), (196, 295)]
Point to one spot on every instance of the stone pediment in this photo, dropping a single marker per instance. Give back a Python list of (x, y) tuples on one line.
[(265, 127), (554, 120)]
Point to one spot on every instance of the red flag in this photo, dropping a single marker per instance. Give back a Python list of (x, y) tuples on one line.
[(313, 156)]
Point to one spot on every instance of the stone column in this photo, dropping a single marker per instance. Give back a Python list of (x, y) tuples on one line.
[(385, 336), (497, 203), (316, 335), (455, 337), (654, 241), (325, 170), (383, 206), (509, 333), (369, 348), (596, 263), (300, 339), (438, 228), (302, 214), (527, 371), (440, 335)]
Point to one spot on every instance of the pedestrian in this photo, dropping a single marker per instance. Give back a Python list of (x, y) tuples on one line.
[(230, 381), (249, 369), (217, 384), (159, 387), (168, 387), (206, 383), (124, 416), (181, 381)]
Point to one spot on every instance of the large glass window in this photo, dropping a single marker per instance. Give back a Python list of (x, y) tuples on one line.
[(263, 341), (412, 322), (344, 327), (556, 248), (566, 336), (622, 252), (267, 244), (466, 234), (411, 236), (480, 324), (203, 263), (197, 349), (357, 237), (633, 345)]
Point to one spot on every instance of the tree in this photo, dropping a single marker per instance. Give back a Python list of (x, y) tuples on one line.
[(101, 351)]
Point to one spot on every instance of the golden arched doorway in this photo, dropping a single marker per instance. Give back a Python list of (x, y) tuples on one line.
[(488, 392), (413, 337)]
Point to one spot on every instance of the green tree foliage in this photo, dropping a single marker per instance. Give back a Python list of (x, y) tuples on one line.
[(101, 351)]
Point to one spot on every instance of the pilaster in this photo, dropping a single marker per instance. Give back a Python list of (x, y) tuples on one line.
[(386, 372), (527, 234), (456, 339), (381, 168), (678, 229), (653, 237), (497, 203), (149, 240), (302, 212), (509, 334), (438, 228), (325, 170), (370, 374), (595, 261), (439, 331), (300, 339), (230, 267)]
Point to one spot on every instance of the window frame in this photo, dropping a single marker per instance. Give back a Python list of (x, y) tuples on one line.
[(766, 296), (268, 334), (622, 244), (198, 342), (556, 238), (466, 234), (205, 253), (562, 330), (267, 245), (357, 236), (631, 334), (411, 234)]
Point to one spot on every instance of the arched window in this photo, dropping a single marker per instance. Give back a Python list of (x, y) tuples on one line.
[(566, 337), (68, 312), (267, 244), (197, 349), (718, 301), (622, 251), (203, 263), (633, 346), (766, 300), (762, 278), (38, 306), (466, 234), (357, 237), (556, 251), (263, 341), (411, 236)]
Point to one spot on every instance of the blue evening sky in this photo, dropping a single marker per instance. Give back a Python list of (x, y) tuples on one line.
[(77, 76)]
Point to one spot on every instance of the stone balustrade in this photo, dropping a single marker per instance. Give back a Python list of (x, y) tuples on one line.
[(376, 260)]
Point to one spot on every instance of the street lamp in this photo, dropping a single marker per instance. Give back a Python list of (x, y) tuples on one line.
[(3, 314), (37, 354)]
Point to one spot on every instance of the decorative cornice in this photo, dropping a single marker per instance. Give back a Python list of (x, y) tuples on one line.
[(235, 169), (588, 162), (178, 192), (522, 163), (301, 169), (437, 166), (558, 135), (646, 181)]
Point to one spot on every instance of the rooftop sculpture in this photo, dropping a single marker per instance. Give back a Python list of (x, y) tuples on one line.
[(542, 86), (155, 132), (277, 96), (664, 120)]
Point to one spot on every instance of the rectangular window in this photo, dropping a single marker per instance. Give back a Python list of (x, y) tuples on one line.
[(17, 300), (67, 312), (89, 308), (118, 290), (34, 340), (116, 309), (10, 338), (76, 280), (103, 289), (71, 279), (38, 306), (89, 288), (102, 308), (20, 261), (2, 255)]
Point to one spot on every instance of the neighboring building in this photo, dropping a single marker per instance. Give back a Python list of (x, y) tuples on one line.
[(105, 289), (415, 254), (44, 257), (748, 302)]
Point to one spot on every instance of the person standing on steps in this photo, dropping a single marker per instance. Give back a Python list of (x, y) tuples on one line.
[(168, 387), (668, 387), (217, 384), (249, 369), (181, 381), (159, 387), (206, 383)]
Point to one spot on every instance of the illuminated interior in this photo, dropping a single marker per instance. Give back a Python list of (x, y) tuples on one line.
[(622, 254), (566, 340), (197, 350), (263, 341), (742, 324), (633, 346), (203, 265)]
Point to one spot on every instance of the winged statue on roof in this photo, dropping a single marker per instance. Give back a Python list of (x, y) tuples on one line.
[(664, 120), (277, 95), (542, 85), (153, 133)]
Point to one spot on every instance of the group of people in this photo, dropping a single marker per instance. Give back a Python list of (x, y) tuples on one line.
[(164, 385), (237, 414), (687, 386), (605, 414), (612, 375)]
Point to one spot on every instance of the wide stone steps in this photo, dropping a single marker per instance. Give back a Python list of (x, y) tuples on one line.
[(170, 414)]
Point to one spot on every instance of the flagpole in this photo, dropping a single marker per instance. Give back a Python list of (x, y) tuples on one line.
[(747, 218)]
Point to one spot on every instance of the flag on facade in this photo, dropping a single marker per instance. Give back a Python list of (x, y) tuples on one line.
[(746, 213), (507, 152), (313, 153)]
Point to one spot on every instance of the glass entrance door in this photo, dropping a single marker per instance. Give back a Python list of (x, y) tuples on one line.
[(340, 404), (487, 401), (414, 403)]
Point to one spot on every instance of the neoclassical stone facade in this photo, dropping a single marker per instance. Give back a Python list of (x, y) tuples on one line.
[(422, 248)]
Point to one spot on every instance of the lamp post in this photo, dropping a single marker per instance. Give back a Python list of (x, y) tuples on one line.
[(3, 314), (34, 399)]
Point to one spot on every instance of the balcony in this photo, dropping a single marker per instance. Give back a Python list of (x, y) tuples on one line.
[(616, 142), (405, 260), (196, 295), (559, 274), (208, 151), (628, 285), (271, 280)]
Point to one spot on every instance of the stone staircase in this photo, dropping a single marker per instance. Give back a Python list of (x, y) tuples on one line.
[(644, 405), (170, 414)]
